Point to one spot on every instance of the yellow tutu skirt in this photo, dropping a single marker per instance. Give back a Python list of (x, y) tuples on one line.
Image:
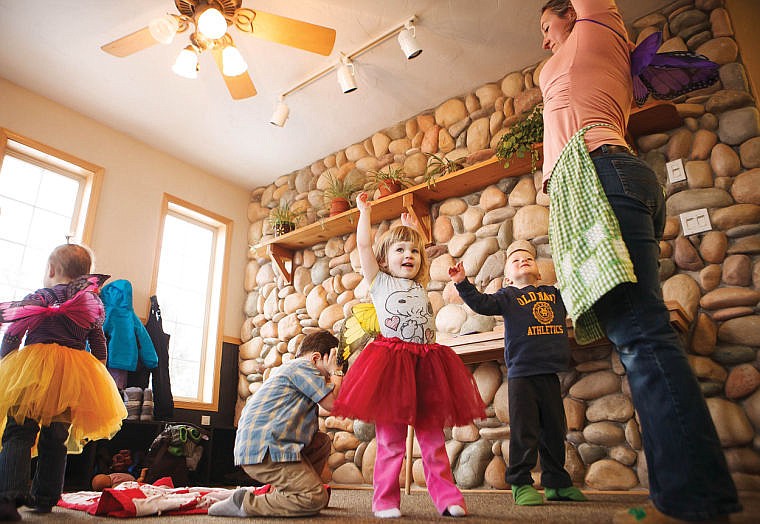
[(53, 383)]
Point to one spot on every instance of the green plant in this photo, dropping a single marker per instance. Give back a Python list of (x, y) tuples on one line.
[(283, 219), (521, 138), (338, 188), (389, 175), (439, 166)]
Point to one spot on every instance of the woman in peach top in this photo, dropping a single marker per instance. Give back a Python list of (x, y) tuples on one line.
[(588, 81)]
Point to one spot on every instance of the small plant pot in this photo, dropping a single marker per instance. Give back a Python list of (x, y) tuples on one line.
[(283, 227), (388, 187), (339, 205)]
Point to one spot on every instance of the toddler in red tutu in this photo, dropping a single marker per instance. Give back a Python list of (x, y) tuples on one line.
[(403, 377), (52, 385)]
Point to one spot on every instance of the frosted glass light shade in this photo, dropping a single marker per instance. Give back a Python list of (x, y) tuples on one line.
[(212, 24), (163, 29), (233, 63), (186, 64)]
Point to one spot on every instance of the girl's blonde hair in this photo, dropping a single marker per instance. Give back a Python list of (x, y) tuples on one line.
[(403, 234)]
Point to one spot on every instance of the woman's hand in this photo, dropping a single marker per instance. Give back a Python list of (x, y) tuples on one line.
[(456, 273), (362, 202)]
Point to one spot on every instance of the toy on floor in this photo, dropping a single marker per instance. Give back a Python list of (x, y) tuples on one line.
[(101, 481)]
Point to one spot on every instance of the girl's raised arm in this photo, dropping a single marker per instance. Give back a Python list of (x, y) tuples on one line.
[(364, 238)]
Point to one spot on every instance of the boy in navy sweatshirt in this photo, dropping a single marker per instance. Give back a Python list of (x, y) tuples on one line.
[(536, 348)]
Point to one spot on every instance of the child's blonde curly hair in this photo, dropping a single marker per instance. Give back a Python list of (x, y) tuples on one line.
[(403, 234)]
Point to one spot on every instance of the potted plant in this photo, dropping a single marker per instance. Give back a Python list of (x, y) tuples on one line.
[(283, 219), (338, 194), (439, 166), (522, 138), (389, 181)]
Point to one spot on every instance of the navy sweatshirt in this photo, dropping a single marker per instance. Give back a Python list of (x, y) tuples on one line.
[(535, 335)]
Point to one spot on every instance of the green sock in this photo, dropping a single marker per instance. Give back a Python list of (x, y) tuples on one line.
[(526, 495), (568, 493)]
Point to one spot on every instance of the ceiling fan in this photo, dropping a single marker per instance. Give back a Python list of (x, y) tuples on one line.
[(211, 18)]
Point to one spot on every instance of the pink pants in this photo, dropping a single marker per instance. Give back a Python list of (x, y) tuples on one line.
[(391, 445)]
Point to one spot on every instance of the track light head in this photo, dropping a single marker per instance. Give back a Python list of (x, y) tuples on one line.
[(346, 77), (408, 41), (281, 113)]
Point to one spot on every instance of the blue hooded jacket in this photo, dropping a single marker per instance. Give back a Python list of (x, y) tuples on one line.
[(127, 337)]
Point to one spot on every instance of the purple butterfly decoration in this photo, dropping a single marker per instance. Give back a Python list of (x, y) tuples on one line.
[(668, 75)]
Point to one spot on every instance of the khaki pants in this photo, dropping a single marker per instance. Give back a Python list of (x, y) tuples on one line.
[(298, 489)]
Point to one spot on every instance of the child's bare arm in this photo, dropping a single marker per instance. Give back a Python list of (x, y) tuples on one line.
[(364, 238)]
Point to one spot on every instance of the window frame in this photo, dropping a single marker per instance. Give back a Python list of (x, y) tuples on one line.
[(53, 159), (195, 213)]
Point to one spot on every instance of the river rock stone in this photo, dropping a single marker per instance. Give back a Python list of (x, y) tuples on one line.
[(595, 385), (697, 198), (488, 379), (731, 422), (615, 407), (746, 187), (724, 161), (743, 331), (730, 297), (473, 460), (742, 380), (737, 125), (608, 474)]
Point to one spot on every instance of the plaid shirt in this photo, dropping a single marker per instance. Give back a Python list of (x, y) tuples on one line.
[(590, 256), (281, 417)]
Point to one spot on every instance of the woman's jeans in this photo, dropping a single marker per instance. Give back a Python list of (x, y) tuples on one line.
[(16, 459), (688, 475)]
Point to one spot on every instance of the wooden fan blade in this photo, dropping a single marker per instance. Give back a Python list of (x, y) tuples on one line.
[(240, 86), (282, 30), (131, 43)]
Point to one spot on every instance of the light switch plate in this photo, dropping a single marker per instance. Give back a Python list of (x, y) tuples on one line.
[(205, 420), (676, 171), (697, 221)]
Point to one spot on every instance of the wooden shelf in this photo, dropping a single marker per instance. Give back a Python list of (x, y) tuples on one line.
[(656, 116), (415, 200)]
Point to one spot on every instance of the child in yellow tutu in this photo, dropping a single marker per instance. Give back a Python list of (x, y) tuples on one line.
[(53, 386)]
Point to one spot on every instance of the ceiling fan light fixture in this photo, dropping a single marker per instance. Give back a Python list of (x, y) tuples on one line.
[(186, 64), (408, 41), (211, 23), (163, 29), (233, 63), (281, 113), (346, 76)]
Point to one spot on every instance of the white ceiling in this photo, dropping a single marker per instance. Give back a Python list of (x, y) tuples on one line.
[(52, 47)]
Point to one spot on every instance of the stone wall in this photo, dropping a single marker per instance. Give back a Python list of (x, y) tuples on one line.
[(715, 276)]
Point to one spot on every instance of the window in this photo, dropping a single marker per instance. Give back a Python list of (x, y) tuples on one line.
[(189, 284), (46, 197)]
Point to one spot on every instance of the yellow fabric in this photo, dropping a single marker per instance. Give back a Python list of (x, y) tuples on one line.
[(363, 322), (53, 383)]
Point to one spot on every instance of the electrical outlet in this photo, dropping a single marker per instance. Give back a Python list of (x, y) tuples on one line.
[(676, 171), (697, 221), (205, 420)]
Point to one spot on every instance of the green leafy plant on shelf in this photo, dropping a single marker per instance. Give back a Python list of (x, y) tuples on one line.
[(337, 194), (389, 180), (438, 166), (522, 137), (284, 219)]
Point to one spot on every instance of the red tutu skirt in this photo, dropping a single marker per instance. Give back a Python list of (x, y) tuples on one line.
[(424, 385)]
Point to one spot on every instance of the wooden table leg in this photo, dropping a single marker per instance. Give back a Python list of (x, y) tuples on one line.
[(409, 459)]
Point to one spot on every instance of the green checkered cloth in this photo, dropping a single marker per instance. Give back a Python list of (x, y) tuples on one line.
[(590, 256)]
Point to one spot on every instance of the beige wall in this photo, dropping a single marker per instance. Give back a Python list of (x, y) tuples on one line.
[(125, 236)]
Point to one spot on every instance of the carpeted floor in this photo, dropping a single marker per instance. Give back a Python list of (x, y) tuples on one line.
[(354, 506)]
